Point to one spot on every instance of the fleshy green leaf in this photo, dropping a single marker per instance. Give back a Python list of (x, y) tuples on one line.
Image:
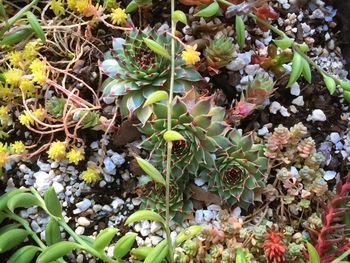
[(346, 95), (188, 233), (209, 11), (11, 239), (170, 136), (179, 16), (284, 42), (150, 170), (240, 31), (330, 84), (123, 245), (131, 7), (155, 97), (56, 251), (158, 253), (24, 255), (144, 215), (35, 25), (52, 232), (240, 257), (52, 203), (345, 85), (313, 255), (296, 69), (104, 238), (156, 47), (22, 200), (306, 71)]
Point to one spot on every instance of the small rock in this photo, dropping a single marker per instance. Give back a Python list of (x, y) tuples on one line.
[(83, 221), (299, 101), (284, 111), (295, 89), (109, 165), (329, 175), (42, 180), (80, 230), (117, 203), (136, 201), (46, 167), (155, 226), (199, 181), (334, 137), (216, 208), (36, 228), (83, 205), (58, 187), (137, 227), (155, 240), (117, 159), (145, 232), (317, 115), (199, 217), (263, 131), (208, 215), (275, 107)]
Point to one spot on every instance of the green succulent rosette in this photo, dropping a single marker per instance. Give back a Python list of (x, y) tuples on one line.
[(135, 71), (200, 123), (239, 170), (180, 205)]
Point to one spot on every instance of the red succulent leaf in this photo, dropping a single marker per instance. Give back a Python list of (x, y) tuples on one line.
[(274, 247), (265, 12)]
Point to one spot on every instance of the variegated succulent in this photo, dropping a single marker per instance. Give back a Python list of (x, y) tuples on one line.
[(201, 124), (135, 71), (239, 170), (180, 204)]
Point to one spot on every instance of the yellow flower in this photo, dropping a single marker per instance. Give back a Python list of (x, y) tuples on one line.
[(15, 58), (71, 4), (190, 55), (81, 5), (75, 155), (27, 86), (3, 154), (39, 77), (26, 119), (39, 114), (38, 68), (13, 76), (4, 111), (91, 175), (17, 147), (118, 16), (30, 50), (57, 151), (57, 7)]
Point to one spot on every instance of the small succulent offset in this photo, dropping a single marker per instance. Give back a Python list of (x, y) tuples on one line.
[(219, 53), (239, 170), (201, 125), (135, 71)]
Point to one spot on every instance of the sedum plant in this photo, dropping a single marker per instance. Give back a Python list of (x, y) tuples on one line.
[(136, 71), (219, 53), (239, 170), (201, 125)]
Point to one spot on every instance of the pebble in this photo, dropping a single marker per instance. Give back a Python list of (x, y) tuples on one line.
[(263, 131), (80, 230), (299, 101), (117, 203), (126, 176), (58, 187), (83, 221), (275, 107), (199, 181), (155, 226), (82, 206), (284, 111), (117, 159), (107, 208), (42, 180), (46, 167), (329, 175), (109, 166), (36, 228), (208, 215), (199, 217), (317, 115), (155, 240), (295, 89), (214, 208), (334, 137), (54, 165), (136, 201)]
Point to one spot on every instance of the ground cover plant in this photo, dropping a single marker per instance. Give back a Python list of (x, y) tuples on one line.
[(173, 131)]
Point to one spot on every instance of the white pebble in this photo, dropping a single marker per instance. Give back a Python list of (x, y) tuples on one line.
[(263, 131), (299, 101), (208, 215), (117, 203), (199, 217), (274, 107), (83, 221), (155, 240), (109, 165), (155, 226), (295, 89), (80, 230), (335, 137), (117, 159), (317, 115), (58, 187), (329, 175), (199, 181), (83, 205)]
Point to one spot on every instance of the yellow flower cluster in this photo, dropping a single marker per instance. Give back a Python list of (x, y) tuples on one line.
[(91, 175), (75, 155), (57, 7), (17, 147), (26, 119), (25, 74), (3, 154), (118, 16), (190, 55), (57, 151)]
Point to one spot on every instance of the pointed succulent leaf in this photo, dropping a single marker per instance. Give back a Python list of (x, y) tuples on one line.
[(150, 170), (155, 97), (179, 16), (330, 83), (209, 11), (170, 136), (156, 47), (202, 107)]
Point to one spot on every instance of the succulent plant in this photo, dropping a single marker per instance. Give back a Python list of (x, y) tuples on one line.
[(219, 53), (135, 71), (239, 170), (199, 122), (259, 89), (154, 199)]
